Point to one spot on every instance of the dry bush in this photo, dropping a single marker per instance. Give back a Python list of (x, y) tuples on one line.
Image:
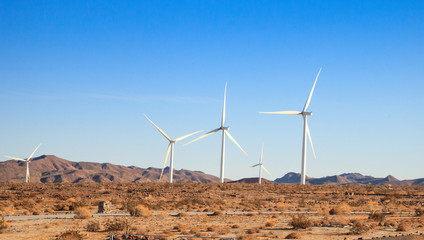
[(4, 225), (181, 214), (340, 209), (180, 227), (93, 226), (293, 235), (359, 228), (403, 227), (419, 212), (269, 222), (70, 235), (377, 216), (140, 211), (340, 221), (235, 226), (212, 228), (300, 222), (82, 213), (254, 230), (118, 224), (389, 223)]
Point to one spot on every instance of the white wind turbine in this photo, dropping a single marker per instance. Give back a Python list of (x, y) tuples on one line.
[(305, 129), (170, 147), (28, 160), (224, 132), (261, 166)]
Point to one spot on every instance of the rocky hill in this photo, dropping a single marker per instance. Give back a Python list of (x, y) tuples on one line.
[(349, 179), (49, 168)]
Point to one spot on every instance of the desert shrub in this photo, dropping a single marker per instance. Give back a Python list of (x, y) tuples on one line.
[(254, 230), (359, 228), (82, 213), (140, 211), (118, 224), (180, 227), (377, 216), (77, 204), (340, 209), (70, 235), (93, 226), (419, 212), (300, 222), (340, 221), (269, 222), (293, 236), (4, 225), (403, 227), (212, 228), (388, 223), (235, 226)]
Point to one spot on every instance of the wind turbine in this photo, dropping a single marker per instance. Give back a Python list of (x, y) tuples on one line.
[(261, 166), (224, 132), (306, 131), (28, 160), (170, 147)]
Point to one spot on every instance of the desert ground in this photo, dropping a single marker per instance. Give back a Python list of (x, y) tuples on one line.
[(234, 210)]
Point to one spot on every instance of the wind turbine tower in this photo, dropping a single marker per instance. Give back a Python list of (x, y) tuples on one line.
[(28, 160), (170, 149), (261, 166), (306, 132), (224, 133)]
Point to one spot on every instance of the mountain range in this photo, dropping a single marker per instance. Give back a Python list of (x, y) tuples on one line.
[(49, 168)]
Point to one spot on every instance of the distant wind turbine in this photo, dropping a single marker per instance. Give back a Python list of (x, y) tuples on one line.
[(28, 160), (261, 166), (170, 148), (305, 129), (224, 132)]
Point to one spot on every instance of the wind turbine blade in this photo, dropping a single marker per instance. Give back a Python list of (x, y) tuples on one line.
[(310, 139), (266, 170), (312, 91), (14, 158), (204, 135), (186, 136), (255, 165), (166, 158), (283, 112), (32, 154), (234, 141), (160, 130), (223, 108)]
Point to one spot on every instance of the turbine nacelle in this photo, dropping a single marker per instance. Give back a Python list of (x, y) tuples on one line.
[(306, 113), (224, 128)]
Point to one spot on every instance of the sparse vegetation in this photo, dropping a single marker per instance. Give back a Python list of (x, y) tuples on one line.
[(82, 213), (300, 221), (140, 211), (377, 216), (4, 225), (359, 228), (118, 224), (93, 226), (293, 235), (71, 235)]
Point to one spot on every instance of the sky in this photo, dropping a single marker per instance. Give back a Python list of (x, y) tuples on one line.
[(77, 76)]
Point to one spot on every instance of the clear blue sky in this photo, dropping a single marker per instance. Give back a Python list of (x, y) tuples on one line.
[(79, 75)]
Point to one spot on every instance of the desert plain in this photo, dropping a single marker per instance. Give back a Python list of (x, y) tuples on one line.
[(195, 210)]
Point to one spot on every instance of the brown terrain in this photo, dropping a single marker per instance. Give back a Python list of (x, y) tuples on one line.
[(49, 168), (236, 210), (347, 206)]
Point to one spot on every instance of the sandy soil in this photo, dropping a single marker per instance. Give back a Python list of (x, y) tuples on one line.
[(162, 200)]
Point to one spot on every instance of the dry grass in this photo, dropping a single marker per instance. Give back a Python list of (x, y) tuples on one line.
[(359, 228), (4, 225), (140, 211), (300, 221), (293, 235), (82, 213), (342, 208)]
